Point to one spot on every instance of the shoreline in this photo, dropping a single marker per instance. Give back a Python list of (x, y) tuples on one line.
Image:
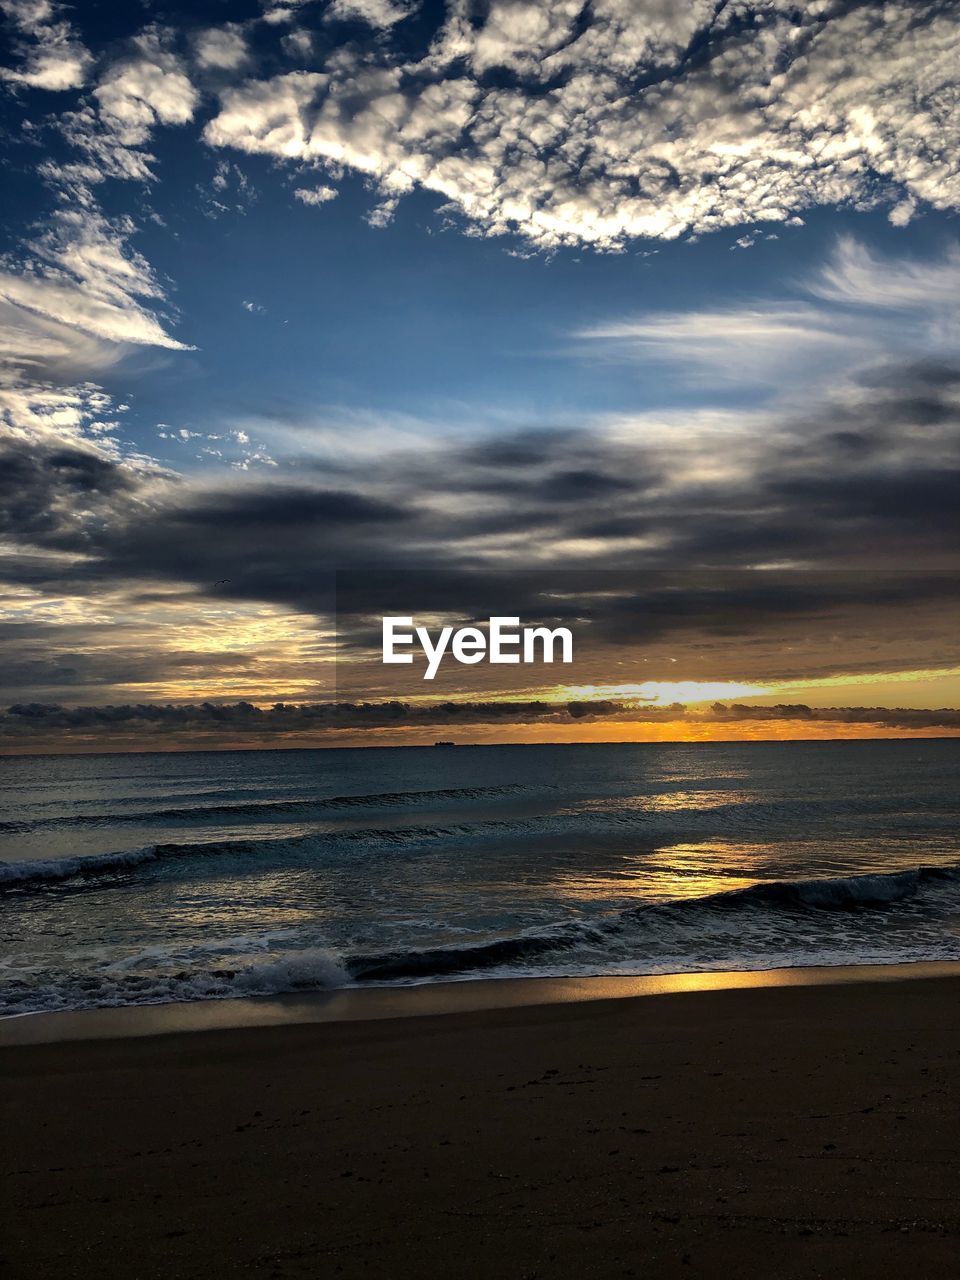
[(428, 999)]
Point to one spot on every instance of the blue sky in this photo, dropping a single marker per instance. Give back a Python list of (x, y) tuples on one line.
[(351, 257), (414, 320)]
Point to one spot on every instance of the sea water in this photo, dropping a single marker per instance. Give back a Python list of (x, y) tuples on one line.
[(132, 879)]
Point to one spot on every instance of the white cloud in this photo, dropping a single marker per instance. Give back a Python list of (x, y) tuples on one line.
[(67, 313), (61, 301), (33, 344), (297, 43), (80, 415), (376, 13), (221, 48), (742, 345), (104, 155), (855, 276), (79, 295), (868, 311), (608, 131), (315, 195), (150, 87), (277, 12), (901, 214), (265, 116), (54, 57), (83, 276), (146, 87)]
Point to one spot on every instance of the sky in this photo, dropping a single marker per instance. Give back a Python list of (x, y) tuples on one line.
[(633, 315)]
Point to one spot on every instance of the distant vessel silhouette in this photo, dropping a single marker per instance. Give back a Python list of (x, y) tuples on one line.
[(443, 742)]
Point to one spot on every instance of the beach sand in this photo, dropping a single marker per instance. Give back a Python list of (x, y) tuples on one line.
[(778, 1132)]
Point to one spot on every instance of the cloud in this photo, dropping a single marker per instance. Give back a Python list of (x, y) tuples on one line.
[(78, 295), (381, 14), (148, 88), (221, 48), (857, 310), (281, 718), (34, 346), (742, 345), (54, 57), (469, 527), (599, 126), (856, 277), (315, 195), (145, 87), (633, 539), (271, 109), (70, 312), (277, 12), (23, 723), (49, 416), (83, 275), (52, 491), (888, 717)]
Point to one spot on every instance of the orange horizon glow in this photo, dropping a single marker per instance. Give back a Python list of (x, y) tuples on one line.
[(611, 732)]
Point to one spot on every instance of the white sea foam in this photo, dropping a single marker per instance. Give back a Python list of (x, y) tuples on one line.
[(110, 987)]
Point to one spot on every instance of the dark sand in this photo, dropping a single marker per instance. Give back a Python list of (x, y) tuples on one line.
[(794, 1132)]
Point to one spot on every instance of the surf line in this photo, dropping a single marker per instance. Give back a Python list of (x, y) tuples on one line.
[(503, 641)]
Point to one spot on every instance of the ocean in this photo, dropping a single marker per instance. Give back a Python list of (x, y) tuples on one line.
[(139, 879)]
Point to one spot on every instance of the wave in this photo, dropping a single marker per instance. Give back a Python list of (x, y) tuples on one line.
[(44, 872), (843, 920), (830, 893), (314, 970), (268, 808), (846, 893), (437, 962)]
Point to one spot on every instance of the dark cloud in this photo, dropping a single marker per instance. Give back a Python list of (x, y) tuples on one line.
[(636, 539), (285, 506), (887, 717), (50, 667), (24, 724), (53, 493), (762, 626), (859, 484)]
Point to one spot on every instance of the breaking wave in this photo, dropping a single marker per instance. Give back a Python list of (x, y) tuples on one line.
[(47, 870), (770, 906), (313, 970), (843, 920)]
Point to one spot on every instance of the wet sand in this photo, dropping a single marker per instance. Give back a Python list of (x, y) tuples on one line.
[(796, 1131)]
